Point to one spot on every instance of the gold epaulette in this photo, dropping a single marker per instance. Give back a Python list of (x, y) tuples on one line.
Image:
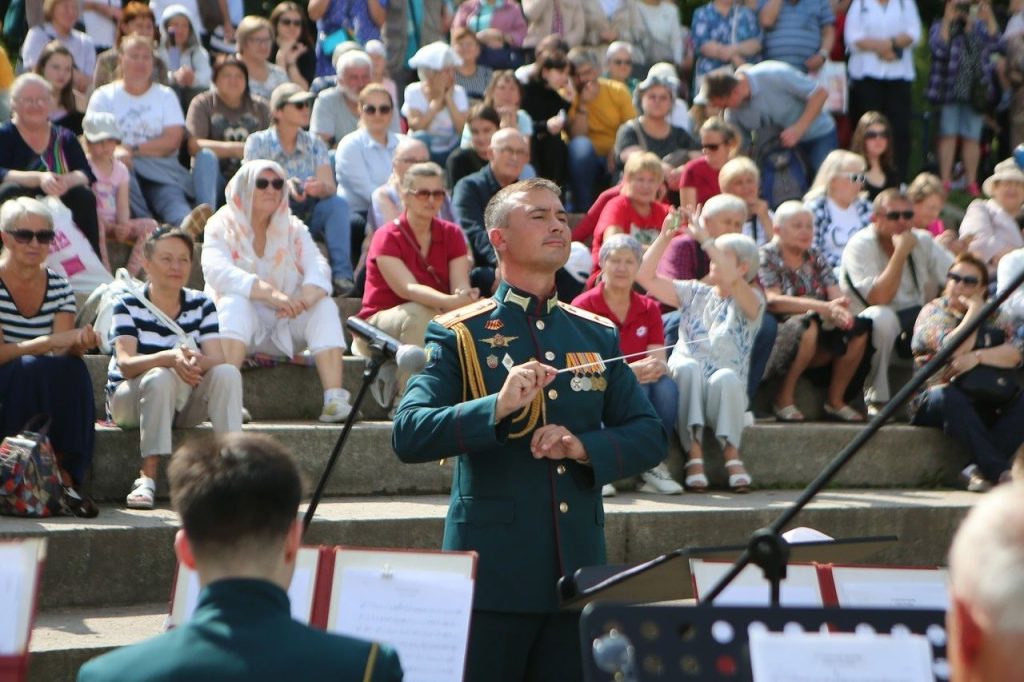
[(586, 314), (453, 317)]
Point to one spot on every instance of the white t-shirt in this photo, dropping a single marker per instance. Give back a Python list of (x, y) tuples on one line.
[(141, 118), (99, 27), (442, 130), (843, 224)]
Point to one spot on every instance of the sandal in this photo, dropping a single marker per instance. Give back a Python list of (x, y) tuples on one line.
[(789, 413), (698, 483), (843, 414), (738, 483), (142, 494), (77, 505)]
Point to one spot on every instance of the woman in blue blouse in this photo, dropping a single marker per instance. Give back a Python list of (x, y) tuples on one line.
[(724, 33)]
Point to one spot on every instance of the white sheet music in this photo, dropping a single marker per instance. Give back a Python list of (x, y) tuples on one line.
[(840, 657), (800, 588), (900, 588), (424, 615), (13, 591)]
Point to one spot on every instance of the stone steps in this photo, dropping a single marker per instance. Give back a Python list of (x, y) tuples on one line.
[(778, 456), (125, 557)]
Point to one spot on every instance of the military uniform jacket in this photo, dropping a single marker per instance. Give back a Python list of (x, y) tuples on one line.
[(242, 630), (531, 520)]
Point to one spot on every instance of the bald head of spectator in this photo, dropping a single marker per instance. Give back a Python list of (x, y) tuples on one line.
[(510, 152), (986, 614)]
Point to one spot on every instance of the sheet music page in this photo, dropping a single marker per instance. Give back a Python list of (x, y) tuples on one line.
[(424, 615), (16, 592), (800, 588), (891, 588), (300, 593), (839, 657)]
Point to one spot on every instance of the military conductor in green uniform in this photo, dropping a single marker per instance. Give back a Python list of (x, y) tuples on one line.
[(531, 447), (238, 498)]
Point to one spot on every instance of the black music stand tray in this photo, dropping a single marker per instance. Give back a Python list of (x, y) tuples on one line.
[(667, 578), (710, 643)]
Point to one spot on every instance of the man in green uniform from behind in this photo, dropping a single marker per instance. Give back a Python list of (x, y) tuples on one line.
[(532, 447), (238, 499)]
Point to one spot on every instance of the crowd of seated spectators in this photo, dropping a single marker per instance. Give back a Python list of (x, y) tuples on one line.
[(349, 148)]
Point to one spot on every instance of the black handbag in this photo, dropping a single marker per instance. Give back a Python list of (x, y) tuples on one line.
[(991, 386)]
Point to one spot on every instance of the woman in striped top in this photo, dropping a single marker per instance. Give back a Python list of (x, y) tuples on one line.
[(41, 370)]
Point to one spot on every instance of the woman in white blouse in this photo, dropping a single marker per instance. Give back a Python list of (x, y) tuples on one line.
[(881, 35), (991, 225)]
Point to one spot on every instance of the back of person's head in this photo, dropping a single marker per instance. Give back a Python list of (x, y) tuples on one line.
[(719, 83), (986, 563), (235, 493)]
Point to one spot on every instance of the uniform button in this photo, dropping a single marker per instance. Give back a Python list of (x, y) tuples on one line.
[(540, 325), (550, 355), (560, 469), (553, 394), (564, 507)]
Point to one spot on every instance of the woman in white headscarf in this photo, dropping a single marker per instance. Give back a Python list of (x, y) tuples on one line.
[(270, 283)]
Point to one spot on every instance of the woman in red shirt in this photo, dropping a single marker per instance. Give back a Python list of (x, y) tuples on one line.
[(636, 211), (416, 267), (638, 319), (698, 181)]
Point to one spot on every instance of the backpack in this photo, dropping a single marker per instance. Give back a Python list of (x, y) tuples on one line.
[(98, 309), (784, 173)]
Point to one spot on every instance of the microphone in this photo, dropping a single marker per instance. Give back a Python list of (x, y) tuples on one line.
[(408, 357)]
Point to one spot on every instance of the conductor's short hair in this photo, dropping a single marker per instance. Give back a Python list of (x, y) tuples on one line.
[(501, 204), (231, 489)]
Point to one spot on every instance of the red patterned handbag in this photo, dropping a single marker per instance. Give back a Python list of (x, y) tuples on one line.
[(29, 477)]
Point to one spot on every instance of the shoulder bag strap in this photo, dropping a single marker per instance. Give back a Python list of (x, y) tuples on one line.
[(854, 290), (160, 315), (371, 662), (402, 225)]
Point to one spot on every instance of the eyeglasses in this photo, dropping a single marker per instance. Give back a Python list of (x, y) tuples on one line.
[(304, 104), (263, 183), (853, 177), (966, 280), (425, 194), (512, 151), (710, 147), (876, 134), (33, 101), (372, 110), (621, 62), (896, 215), (284, 21), (44, 237)]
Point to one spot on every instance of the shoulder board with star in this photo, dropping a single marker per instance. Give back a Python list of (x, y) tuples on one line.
[(462, 314), (586, 314)]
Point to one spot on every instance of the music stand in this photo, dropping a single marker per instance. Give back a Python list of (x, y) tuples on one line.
[(668, 578), (637, 643)]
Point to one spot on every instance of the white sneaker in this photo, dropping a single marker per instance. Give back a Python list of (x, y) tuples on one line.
[(659, 481), (748, 418), (336, 409), (608, 490)]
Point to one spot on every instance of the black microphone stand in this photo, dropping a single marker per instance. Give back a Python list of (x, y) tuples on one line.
[(766, 547), (373, 365)]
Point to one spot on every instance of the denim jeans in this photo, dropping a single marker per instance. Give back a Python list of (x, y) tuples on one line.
[(817, 149), (664, 395), (328, 217), (585, 166), (761, 352), (208, 180)]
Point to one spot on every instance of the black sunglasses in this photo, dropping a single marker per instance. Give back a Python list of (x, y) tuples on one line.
[(896, 215), (969, 280), (875, 134), (370, 109), (290, 22), (304, 104), (428, 194), (263, 183), (44, 237)]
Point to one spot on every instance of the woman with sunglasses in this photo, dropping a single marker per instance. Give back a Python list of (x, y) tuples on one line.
[(989, 431), (362, 162), (41, 369), (836, 202), (698, 180), (218, 122), (270, 284), (417, 267), (293, 48), (38, 157), (387, 201), (871, 141)]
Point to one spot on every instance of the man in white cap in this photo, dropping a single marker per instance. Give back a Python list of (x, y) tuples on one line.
[(985, 620)]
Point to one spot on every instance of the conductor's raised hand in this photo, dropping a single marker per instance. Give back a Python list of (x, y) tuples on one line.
[(556, 442), (521, 386)]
